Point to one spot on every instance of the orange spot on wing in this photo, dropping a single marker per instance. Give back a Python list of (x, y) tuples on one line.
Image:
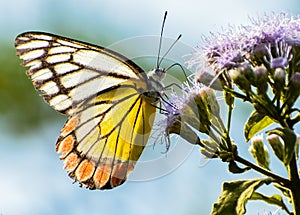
[(65, 146), (85, 170), (71, 162), (102, 175), (69, 126)]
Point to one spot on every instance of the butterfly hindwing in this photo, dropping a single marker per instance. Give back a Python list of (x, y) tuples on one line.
[(101, 144), (110, 118)]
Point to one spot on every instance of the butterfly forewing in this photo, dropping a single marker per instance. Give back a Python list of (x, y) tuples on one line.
[(67, 71), (110, 118)]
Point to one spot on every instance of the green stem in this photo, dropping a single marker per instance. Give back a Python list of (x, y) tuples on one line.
[(262, 171), (227, 138), (236, 94), (294, 184)]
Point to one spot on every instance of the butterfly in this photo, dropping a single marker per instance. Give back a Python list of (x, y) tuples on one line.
[(111, 103)]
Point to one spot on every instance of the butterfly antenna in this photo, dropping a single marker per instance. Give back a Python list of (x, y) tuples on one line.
[(160, 39), (168, 50), (181, 67)]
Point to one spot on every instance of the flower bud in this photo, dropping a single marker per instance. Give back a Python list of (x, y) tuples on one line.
[(194, 112), (198, 105), (295, 80), (276, 145), (208, 154), (293, 89), (208, 78), (259, 151), (175, 125), (247, 70), (209, 98), (240, 80), (261, 76), (279, 78), (210, 149)]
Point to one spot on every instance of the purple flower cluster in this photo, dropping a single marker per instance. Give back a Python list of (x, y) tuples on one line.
[(256, 58), (270, 36)]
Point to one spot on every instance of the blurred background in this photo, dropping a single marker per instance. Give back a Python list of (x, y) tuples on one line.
[(32, 179)]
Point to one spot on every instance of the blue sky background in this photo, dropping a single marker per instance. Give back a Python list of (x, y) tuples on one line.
[(32, 178)]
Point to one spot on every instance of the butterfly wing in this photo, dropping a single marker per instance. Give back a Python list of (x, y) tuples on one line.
[(110, 119), (67, 71), (101, 143)]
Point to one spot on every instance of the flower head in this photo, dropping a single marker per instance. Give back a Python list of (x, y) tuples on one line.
[(264, 55), (182, 116), (272, 37), (194, 110)]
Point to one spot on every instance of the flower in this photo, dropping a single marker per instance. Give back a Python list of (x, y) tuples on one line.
[(255, 58), (272, 37), (182, 115), (193, 111)]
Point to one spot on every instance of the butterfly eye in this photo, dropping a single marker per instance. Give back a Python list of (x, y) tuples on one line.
[(157, 74), (160, 72)]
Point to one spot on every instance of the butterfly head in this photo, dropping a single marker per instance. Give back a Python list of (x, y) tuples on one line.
[(158, 74), (155, 86)]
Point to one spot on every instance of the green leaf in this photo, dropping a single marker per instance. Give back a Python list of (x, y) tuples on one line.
[(235, 195), (274, 200), (256, 122), (289, 138), (234, 168)]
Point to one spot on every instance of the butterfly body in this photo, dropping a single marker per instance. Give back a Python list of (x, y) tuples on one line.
[(111, 104), (155, 88)]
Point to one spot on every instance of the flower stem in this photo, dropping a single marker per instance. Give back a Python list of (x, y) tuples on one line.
[(262, 170), (294, 186), (227, 138)]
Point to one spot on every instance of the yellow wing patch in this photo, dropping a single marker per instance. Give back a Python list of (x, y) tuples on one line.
[(101, 144)]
